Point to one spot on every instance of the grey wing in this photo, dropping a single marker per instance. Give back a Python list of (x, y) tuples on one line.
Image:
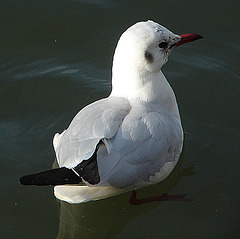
[(99, 120), (144, 144)]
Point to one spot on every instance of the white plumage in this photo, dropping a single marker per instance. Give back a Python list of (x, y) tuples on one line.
[(139, 123)]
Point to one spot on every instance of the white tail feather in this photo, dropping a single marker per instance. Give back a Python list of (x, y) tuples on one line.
[(81, 194)]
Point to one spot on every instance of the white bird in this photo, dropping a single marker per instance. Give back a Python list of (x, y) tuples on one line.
[(129, 140)]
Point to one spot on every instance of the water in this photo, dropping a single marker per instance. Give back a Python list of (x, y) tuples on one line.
[(56, 58)]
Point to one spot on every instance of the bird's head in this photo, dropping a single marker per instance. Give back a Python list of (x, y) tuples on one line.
[(141, 52), (147, 45)]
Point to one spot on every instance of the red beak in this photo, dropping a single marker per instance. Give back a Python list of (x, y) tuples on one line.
[(187, 38)]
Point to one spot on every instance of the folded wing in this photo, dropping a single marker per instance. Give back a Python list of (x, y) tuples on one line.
[(99, 120)]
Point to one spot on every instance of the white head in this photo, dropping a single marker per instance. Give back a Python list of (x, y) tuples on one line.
[(140, 53)]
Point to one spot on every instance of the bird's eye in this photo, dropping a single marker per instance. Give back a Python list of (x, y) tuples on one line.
[(163, 44)]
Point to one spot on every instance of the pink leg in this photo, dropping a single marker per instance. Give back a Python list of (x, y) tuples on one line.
[(162, 197)]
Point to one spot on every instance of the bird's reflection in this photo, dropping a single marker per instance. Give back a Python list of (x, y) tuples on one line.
[(106, 218)]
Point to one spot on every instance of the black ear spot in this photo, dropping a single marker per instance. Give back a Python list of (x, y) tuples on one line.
[(148, 57)]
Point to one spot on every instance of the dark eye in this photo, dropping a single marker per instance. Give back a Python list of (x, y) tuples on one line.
[(162, 44)]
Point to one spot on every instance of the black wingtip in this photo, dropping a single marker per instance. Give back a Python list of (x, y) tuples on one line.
[(26, 180), (58, 176)]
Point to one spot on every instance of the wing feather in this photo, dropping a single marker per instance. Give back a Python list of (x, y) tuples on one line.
[(96, 121), (141, 148)]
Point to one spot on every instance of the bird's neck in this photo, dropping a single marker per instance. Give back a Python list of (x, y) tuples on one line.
[(145, 86)]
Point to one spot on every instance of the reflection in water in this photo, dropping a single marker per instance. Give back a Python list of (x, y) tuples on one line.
[(106, 218)]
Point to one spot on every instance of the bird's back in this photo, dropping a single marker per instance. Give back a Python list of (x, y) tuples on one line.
[(147, 139)]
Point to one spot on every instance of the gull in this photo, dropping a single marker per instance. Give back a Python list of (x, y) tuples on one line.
[(129, 140)]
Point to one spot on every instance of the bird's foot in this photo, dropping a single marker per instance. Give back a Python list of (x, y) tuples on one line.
[(162, 197)]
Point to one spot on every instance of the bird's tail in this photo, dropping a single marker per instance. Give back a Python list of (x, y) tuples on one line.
[(57, 176)]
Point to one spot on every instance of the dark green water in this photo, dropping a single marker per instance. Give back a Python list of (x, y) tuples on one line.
[(55, 57)]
